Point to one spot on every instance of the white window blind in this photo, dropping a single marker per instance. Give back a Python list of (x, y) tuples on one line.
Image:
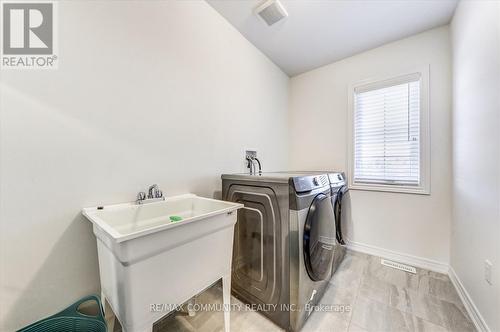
[(387, 132)]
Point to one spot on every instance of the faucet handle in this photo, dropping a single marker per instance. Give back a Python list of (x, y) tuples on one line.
[(141, 196), (159, 194)]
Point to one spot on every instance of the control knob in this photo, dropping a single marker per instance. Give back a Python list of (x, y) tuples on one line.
[(315, 181)]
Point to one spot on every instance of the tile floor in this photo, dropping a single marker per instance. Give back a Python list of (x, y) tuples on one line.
[(380, 299)]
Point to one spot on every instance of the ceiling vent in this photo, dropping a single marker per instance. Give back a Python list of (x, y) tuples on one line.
[(271, 11)]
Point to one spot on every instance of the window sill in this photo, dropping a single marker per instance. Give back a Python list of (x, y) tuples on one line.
[(391, 188)]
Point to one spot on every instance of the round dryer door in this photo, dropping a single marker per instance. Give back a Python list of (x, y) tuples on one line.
[(319, 238)]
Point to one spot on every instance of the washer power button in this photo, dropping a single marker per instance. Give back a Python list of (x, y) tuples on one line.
[(315, 181)]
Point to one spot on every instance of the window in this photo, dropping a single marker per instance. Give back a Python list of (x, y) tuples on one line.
[(389, 147)]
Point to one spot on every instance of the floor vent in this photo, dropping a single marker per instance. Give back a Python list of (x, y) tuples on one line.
[(399, 266)]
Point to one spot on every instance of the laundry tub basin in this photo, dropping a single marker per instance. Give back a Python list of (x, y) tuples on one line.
[(148, 263)]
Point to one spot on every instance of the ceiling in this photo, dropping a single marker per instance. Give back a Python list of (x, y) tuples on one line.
[(318, 32)]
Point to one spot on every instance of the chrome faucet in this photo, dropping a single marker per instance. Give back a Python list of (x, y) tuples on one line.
[(154, 195), (154, 192), (251, 165)]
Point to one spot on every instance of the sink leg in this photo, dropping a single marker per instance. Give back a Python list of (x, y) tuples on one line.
[(103, 302), (191, 303), (109, 315), (226, 299)]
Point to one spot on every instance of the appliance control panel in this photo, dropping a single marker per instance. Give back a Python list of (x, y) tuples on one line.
[(308, 183), (337, 179)]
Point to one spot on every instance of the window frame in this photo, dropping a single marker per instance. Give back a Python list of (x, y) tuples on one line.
[(425, 154)]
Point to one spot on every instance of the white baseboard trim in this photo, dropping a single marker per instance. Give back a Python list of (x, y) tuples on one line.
[(423, 263), (474, 314), (428, 264)]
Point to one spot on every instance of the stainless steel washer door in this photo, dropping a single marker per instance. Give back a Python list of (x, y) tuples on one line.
[(319, 238)]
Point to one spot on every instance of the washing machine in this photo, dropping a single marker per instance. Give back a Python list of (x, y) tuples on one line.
[(284, 242), (338, 188)]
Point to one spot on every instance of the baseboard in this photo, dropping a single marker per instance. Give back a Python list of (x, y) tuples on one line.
[(474, 314), (431, 265), (423, 263)]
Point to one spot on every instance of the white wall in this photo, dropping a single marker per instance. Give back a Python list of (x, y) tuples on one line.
[(146, 92), (416, 225), (475, 31)]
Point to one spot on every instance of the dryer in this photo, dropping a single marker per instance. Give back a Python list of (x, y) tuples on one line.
[(284, 242), (338, 185)]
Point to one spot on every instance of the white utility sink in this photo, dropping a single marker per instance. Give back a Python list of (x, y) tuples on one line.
[(149, 263)]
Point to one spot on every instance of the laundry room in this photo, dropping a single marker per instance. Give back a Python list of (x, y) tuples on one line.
[(249, 165)]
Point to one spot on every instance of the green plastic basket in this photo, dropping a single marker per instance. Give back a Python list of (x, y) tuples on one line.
[(71, 320)]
